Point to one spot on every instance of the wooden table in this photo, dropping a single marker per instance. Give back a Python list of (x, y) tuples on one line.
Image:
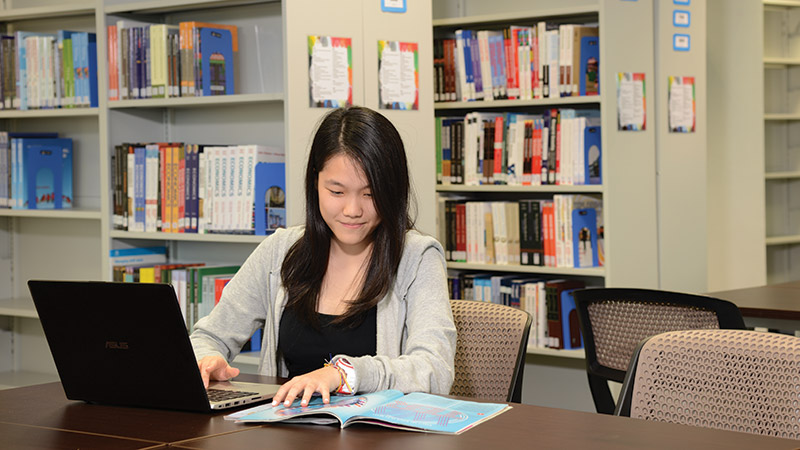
[(776, 301), (41, 417)]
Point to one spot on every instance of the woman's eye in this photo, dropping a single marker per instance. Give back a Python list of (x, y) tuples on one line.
[(368, 194), (336, 192)]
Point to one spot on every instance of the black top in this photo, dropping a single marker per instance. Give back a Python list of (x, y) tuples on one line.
[(306, 349)]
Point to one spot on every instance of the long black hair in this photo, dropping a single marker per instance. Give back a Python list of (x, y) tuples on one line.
[(373, 143)]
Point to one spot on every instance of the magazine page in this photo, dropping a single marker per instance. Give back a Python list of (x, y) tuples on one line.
[(342, 407), (426, 412)]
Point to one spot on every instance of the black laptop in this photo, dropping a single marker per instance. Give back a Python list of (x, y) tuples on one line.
[(126, 344)]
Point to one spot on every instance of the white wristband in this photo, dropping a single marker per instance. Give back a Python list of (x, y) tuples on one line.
[(349, 372)]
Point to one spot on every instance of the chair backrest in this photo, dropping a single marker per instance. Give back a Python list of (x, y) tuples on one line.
[(739, 380), (490, 351), (614, 321)]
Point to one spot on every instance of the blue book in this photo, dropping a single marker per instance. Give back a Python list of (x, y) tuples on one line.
[(270, 197), (22, 69), (570, 328), (584, 238), (47, 169), (90, 76), (216, 50), (476, 65), (77, 68), (589, 72), (412, 412), (255, 340), (139, 186), (497, 52), (592, 155), (138, 255), (14, 162)]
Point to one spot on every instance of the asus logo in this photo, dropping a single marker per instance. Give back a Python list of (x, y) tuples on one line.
[(117, 345)]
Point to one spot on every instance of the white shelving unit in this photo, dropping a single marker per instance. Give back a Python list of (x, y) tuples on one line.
[(270, 107), (625, 173), (782, 138)]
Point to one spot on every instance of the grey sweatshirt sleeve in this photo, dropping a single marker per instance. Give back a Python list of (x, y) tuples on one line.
[(245, 305)]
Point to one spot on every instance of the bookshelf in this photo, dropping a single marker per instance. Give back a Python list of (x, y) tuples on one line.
[(270, 107), (628, 178), (781, 60)]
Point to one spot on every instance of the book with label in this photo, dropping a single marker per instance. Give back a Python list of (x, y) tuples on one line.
[(417, 411)]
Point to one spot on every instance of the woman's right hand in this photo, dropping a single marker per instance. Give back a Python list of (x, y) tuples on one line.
[(215, 368)]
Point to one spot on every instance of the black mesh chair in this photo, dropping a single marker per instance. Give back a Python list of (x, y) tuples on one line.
[(614, 321), (490, 350)]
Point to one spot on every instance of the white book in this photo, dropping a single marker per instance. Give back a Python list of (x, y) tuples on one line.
[(558, 207), (512, 231), (228, 214), (486, 64), (151, 188), (253, 155), (567, 232), (472, 242), (541, 314), (525, 64), (580, 158), (472, 155), (553, 63), (485, 234), (528, 293), (131, 188), (218, 180), (240, 160), (498, 210), (461, 70), (541, 34), (202, 199)]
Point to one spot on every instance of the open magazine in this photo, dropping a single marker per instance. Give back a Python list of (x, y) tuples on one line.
[(390, 408)]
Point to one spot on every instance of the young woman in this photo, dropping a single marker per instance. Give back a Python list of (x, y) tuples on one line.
[(354, 301)]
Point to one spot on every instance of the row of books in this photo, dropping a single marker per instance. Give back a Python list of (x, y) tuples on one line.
[(560, 146), (566, 231), (193, 188), (160, 60), (48, 70), (554, 321), (36, 169), (546, 60)]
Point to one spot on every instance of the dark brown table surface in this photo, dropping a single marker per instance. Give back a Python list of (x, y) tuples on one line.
[(775, 301), (41, 417)]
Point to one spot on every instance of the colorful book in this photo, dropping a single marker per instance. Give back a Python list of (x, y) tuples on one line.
[(390, 408)]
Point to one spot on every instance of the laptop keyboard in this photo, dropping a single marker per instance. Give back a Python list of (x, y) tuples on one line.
[(219, 395)]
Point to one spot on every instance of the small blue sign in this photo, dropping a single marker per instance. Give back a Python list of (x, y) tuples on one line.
[(395, 6), (681, 42), (681, 2), (681, 18)]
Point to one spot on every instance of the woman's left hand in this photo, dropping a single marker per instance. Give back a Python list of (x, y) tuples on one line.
[(322, 380)]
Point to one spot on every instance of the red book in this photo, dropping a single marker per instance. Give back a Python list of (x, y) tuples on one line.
[(219, 285), (498, 174), (511, 64), (553, 290), (461, 231)]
